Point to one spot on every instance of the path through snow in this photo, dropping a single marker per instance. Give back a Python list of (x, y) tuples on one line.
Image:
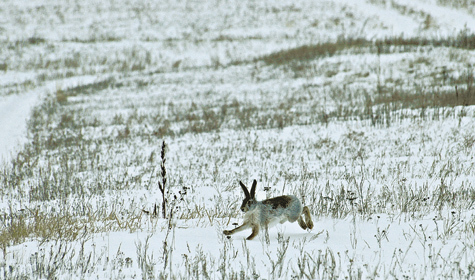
[(408, 20), (15, 111)]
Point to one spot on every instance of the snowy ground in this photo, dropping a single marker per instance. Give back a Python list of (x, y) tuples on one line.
[(378, 140)]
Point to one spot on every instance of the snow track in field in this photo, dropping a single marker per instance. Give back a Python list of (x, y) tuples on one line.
[(448, 20), (408, 17), (391, 20), (15, 111)]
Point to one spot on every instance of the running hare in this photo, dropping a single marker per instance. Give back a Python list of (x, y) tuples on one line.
[(268, 212)]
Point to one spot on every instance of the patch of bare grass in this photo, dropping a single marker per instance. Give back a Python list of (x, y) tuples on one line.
[(308, 52), (463, 40)]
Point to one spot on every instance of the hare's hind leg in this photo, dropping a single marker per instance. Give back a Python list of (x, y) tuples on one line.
[(308, 218), (301, 222)]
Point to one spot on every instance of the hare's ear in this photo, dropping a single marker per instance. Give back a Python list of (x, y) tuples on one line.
[(253, 189), (246, 192)]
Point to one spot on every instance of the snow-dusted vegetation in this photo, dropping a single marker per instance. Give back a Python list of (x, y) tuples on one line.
[(110, 111)]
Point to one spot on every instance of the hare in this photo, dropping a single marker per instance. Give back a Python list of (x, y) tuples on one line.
[(268, 212)]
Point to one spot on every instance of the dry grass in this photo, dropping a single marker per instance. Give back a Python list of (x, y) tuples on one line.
[(464, 40)]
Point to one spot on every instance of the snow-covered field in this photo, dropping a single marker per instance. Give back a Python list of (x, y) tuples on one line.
[(363, 109)]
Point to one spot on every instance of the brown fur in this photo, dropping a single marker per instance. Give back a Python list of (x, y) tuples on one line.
[(279, 201)]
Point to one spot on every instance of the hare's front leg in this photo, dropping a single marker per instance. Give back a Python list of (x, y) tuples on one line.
[(255, 231), (238, 229)]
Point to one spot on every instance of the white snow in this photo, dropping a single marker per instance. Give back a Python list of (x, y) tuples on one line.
[(418, 155), (449, 20), (14, 113)]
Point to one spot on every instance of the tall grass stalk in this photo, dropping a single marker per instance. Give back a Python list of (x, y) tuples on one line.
[(163, 184)]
